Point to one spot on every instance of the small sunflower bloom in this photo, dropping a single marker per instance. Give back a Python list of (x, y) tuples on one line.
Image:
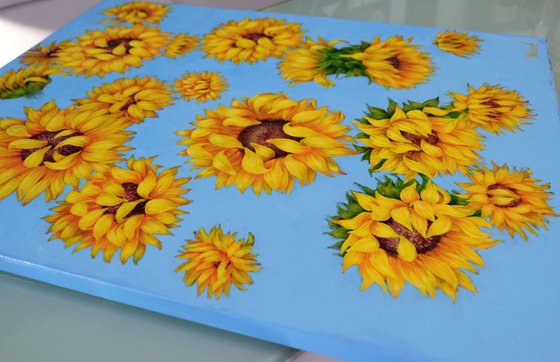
[(410, 232), (461, 44), (251, 40), (121, 209), (511, 199), (306, 62), (181, 44), (131, 99), (24, 82), (493, 108), (216, 260), (41, 55), (136, 12), (395, 63), (114, 49), (266, 142), (52, 148), (419, 142), (202, 87)]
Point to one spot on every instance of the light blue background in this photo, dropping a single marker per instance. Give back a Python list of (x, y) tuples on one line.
[(301, 297)]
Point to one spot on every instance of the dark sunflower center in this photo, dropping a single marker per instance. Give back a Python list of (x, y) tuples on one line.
[(113, 43), (130, 195), (432, 138), (261, 133), (422, 244), (256, 36), (52, 141), (395, 62), (130, 101), (491, 104), (512, 194), (52, 53)]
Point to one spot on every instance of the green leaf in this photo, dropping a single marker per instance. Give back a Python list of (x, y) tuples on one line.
[(431, 103), (392, 107)]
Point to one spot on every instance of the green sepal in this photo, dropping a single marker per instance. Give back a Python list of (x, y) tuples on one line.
[(457, 200), (335, 61), (412, 105), (28, 89)]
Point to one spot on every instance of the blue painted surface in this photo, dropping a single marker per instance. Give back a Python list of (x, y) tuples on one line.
[(301, 297)]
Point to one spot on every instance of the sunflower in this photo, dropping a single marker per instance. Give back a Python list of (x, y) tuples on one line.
[(395, 63), (306, 62), (461, 44), (415, 232), (24, 82), (215, 261), (181, 44), (136, 12), (201, 86), (41, 55), (116, 49), (266, 141), (493, 108), (251, 40), (53, 148), (131, 99), (512, 200), (420, 141), (121, 209)]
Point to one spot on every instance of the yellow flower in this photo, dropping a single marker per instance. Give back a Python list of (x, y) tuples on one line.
[(461, 44), (136, 12), (41, 55), (53, 148), (512, 200), (420, 142), (303, 64), (121, 209), (181, 44), (415, 233), (116, 49), (251, 40), (201, 86), (131, 99), (266, 142), (24, 82), (394, 63), (493, 108), (215, 261)]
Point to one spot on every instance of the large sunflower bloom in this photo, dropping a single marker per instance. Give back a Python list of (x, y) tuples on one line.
[(215, 261), (461, 44), (410, 232), (116, 49), (132, 99), (251, 40), (41, 55), (420, 142), (305, 63), (53, 148), (512, 200), (24, 82), (395, 63), (181, 44), (121, 209), (201, 86), (266, 141), (136, 12), (493, 108)]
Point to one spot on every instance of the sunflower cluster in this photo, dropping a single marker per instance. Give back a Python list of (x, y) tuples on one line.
[(266, 142), (391, 63)]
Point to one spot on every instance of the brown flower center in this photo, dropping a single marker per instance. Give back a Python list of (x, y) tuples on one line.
[(256, 36), (52, 142), (422, 244), (113, 43), (130, 101), (52, 53), (395, 62), (432, 138), (511, 195), (261, 133), (130, 195), (491, 104)]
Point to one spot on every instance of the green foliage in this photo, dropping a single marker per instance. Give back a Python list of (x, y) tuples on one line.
[(28, 89)]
